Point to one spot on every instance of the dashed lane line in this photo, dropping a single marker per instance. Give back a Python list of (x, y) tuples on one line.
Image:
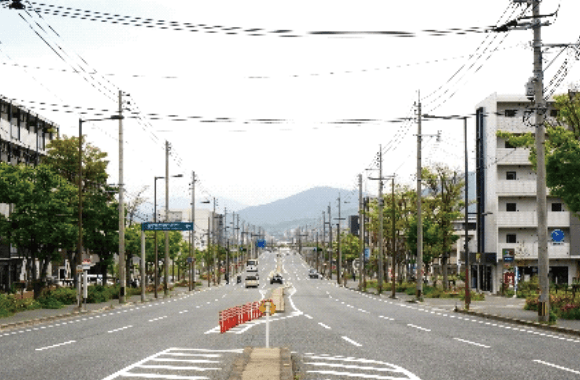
[(351, 341), (55, 345), (557, 366), (120, 329), (473, 343)]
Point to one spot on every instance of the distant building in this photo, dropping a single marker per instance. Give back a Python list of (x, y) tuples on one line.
[(24, 136)]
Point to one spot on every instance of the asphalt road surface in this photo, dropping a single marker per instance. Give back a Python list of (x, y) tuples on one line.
[(334, 333)]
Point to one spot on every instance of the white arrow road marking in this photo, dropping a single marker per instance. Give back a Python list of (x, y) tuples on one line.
[(56, 345)]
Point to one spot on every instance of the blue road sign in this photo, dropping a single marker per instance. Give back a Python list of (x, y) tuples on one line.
[(508, 259), (261, 243), (177, 226), (558, 236)]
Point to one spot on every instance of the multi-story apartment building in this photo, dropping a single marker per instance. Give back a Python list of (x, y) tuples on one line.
[(24, 136), (506, 201)]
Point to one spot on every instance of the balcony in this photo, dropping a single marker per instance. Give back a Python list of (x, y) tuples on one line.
[(507, 156), (516, 188), (529, 251), (530, 219), (512, 124)]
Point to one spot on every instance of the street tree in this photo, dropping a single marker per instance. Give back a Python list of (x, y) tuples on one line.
[(445, 203), (41, 221)]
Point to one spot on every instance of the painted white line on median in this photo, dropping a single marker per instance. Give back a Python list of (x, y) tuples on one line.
[(557, 366), (475, 344), (56, 345), (119, 329), (351, 341), (418, 327), (325, 326), (308, 316)]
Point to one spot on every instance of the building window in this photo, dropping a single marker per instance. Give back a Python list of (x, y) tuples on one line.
[(511, 207), (557, 207), (508, 145), (510, 176), (510, 113), (510, 238)]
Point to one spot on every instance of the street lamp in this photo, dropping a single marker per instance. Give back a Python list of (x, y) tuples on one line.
[(80, 223), (156, 274)]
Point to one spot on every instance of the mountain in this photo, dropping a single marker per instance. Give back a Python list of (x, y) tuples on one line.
[(300, 209)]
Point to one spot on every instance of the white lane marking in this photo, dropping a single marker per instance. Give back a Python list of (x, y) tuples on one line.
[(557, 366), (119, 329), (183, 311), (308, 316), (158, 319), (325, 326), (418, 327), (475, 344), (351, 341), (378, 369), (174, 367), (56, 345)]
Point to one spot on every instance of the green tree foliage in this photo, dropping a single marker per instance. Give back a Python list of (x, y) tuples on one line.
[(562, 151), (100, 223), (42, 219), (444, 205)]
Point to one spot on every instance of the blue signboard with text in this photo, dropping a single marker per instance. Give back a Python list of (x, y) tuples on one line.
[(177, 226), (261, 243)]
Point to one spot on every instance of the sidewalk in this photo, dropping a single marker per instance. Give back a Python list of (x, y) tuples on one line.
[(494, 307), (41, 315)]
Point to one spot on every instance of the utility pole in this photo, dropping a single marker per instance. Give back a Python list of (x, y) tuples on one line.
[(166, 263), (329, 242), (540, 108), (339, 259), (466, 246), (324, 250), (393, 245), (419, 263), (122, 277), (360, 232), (381, 242), (192, 276)]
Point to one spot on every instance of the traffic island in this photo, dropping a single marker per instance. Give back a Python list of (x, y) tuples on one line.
[(260, 363)]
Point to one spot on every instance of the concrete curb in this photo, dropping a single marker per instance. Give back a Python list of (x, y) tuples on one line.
[(496, 317), (36, 321), (240, 364)]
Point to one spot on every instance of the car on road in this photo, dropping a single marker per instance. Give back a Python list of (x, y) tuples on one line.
[(252, 281), (277, 278), (313, 273)]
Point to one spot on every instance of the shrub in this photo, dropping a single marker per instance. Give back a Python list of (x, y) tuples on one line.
[(10, 304), (59, 295), (570, 311)]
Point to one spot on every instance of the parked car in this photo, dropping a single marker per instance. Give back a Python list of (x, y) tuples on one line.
[(252, 281), (313, 273), (276, 278)]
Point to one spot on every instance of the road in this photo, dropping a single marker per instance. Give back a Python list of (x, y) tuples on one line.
[(335, 333)]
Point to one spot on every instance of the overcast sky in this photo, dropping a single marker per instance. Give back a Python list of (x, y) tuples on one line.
[(249, 60)]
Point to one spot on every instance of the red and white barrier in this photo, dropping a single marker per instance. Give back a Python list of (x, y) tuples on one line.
[(238, 315)]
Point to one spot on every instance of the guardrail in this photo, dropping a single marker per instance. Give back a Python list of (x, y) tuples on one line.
[(237, 315)]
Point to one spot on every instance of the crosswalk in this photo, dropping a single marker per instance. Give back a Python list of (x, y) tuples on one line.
[(328, 367), (179, 363)]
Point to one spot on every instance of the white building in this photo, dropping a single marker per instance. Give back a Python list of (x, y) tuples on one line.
[(506, 200), (23, 139)]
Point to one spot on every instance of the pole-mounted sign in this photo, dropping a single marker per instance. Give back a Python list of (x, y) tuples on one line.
[(176, 226)]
